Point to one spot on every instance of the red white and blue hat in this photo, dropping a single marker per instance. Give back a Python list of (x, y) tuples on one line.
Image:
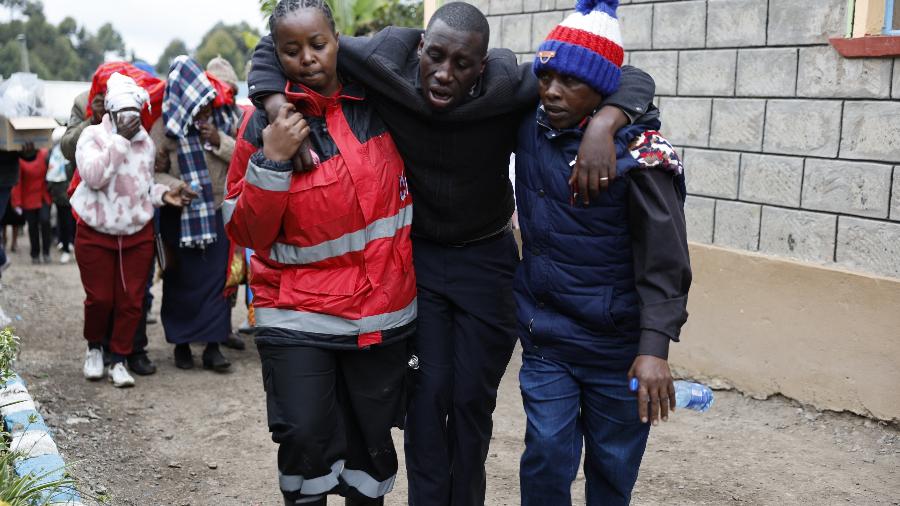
[(587, 45)]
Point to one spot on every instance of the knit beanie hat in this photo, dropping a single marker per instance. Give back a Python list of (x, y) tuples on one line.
[(587, 45), (222, 70)]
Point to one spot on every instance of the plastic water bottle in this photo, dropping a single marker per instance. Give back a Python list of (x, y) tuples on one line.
[(688, 395), (695, 396)]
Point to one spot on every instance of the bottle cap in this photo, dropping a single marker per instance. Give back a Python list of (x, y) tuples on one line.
[(633, 384)]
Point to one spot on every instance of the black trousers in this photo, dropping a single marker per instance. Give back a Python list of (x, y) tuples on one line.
[(464, 340), (38, 230), (331, 413), (66, 223)]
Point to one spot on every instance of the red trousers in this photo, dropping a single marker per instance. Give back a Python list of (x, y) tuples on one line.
[(114, 271)]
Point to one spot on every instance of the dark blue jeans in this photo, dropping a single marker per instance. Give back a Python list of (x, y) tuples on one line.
[(566, 405)]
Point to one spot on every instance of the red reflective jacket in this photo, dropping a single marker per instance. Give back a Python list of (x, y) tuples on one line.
[(333, 257)]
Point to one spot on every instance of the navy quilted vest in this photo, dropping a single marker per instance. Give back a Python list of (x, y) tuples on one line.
[(575, 293)]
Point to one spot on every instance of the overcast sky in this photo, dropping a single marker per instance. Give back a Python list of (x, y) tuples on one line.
[(148, 26)]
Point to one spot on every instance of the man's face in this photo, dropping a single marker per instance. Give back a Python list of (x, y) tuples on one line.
[(566, 100), (450, 62)]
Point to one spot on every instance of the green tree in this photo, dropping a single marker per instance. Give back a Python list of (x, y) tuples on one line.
[(65, 51), (362, 17), (406, 13), (68, 26), (14, 5), (231, 42), (110, 40), (10, 58), (175, 48)]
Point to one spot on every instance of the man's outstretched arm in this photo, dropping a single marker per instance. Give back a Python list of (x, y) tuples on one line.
[(595, 167)]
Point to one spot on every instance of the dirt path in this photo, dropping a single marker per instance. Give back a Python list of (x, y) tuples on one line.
[(198, 438)]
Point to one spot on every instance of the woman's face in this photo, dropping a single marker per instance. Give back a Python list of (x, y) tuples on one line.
[(204, 114), (307, 49)]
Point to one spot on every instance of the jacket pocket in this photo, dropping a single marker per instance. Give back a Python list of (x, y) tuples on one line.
[(318, 201), (323, 174), (315, 289), (589, 310)]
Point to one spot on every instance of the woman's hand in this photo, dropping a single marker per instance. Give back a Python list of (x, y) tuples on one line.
[(283, 137), (128, 125), (302, 160), (98, 108), (209, 132), (180, 196), (655, 387)]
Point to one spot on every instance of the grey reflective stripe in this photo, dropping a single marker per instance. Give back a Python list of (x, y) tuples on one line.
[(332, 325), (266, 179), (228, 209), (347, 243), (320, 485), (366, 484)]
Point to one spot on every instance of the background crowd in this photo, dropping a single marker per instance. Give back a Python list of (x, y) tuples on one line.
[(119, 258)]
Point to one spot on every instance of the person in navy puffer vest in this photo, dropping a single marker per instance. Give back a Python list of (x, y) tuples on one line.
[(602, 287)]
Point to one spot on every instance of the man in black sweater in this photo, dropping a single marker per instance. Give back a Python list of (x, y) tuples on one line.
[(453, 109)]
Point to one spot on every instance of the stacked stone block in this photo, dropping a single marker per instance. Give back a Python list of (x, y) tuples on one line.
[(790, 149)]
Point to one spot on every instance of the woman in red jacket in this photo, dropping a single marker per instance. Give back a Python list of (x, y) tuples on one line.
[(31, 199), (334, 290)]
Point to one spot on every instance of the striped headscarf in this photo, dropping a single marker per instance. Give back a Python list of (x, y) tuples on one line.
[(188, 90)]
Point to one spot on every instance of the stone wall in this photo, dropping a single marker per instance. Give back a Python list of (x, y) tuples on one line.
[(790, 149)]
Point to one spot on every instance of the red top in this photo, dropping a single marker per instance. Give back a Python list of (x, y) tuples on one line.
[(31, 191), (333, 257)]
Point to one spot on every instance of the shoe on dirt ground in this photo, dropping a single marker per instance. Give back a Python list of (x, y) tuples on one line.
[(65, 258), (183, 357), (47, 259), (213, 358), (119, 376), (234, 342), (93, 364), (140, 364)]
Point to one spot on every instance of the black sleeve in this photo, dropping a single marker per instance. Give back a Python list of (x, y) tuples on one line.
[(662, 265), (266, 76), (635, 94)]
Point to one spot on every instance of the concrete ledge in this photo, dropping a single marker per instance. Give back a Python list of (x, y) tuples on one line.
[(823, 336), (31, 436), (867, 47)]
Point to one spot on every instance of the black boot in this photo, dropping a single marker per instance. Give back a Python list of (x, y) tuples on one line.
[(234, 342), (140, 364), (213, 358), (183, 357), (355, 501)]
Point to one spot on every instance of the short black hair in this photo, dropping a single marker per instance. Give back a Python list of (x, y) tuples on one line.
[(285, 7), (463, 17)]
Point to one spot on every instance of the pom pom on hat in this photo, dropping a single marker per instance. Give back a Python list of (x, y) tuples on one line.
[(586, 6), (587, 45)]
